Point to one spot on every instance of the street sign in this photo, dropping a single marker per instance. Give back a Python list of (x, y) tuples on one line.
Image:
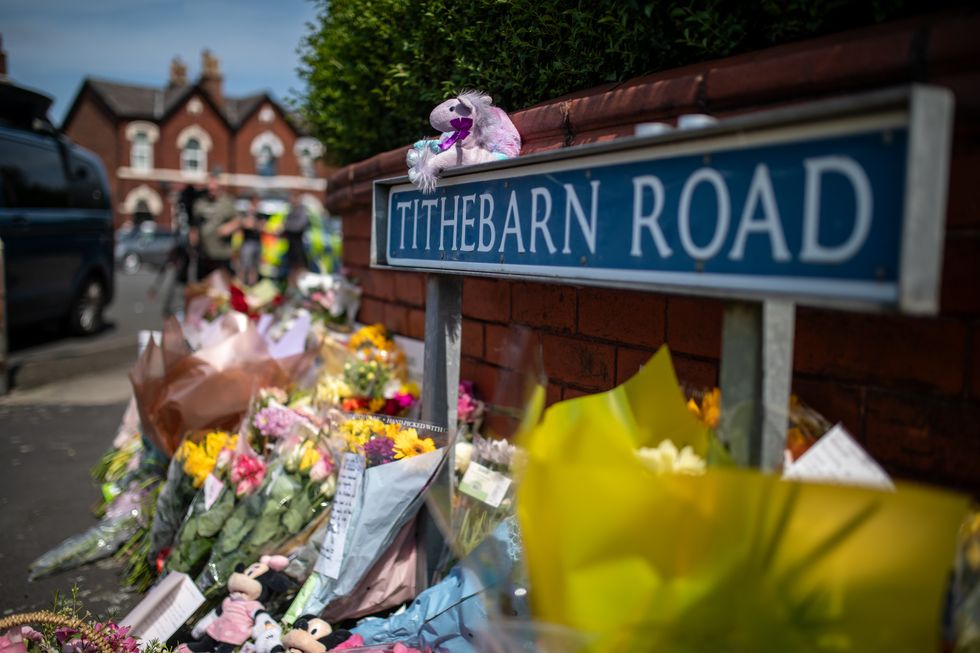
[(839, 203)]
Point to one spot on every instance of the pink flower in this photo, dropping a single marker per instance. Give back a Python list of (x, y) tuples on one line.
[(468, 408), (321, 470), (247, 473)]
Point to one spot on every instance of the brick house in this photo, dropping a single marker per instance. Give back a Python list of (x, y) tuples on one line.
[(155, 140)]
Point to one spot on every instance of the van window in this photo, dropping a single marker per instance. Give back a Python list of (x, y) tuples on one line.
[(32, 175), (86, 187)]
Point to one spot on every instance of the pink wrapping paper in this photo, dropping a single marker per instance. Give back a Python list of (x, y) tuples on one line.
[(390, 582)]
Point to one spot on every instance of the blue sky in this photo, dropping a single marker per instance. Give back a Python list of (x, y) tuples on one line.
[(52, 45)]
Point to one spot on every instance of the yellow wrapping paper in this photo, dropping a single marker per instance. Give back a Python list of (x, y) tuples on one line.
[(732, 560)]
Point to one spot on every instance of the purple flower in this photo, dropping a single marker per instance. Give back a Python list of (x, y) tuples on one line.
[(275, 421), (379, 451)]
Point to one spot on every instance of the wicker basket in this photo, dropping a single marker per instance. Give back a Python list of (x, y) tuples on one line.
[(45, 617)]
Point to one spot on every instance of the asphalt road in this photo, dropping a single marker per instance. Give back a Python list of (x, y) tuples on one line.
[(62, 414)]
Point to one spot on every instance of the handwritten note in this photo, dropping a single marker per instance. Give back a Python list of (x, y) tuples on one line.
[(164, 609), (837, 458), (484, 484), (349, 482)]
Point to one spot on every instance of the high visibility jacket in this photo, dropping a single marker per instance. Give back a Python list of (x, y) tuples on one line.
[(274, 248)]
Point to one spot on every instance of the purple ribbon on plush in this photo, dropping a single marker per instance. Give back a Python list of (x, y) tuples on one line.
[(462, 127)]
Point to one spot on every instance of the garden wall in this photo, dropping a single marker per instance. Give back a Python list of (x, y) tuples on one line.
[(907, 388)]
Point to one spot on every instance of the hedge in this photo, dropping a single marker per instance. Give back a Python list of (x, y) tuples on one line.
[(375, 68)]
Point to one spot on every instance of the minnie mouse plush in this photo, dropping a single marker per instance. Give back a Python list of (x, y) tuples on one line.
[(230, 624)]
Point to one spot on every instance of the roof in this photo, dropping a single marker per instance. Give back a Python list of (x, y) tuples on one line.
[(133, 101)]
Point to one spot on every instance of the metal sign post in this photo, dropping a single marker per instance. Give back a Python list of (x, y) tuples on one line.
[(837, 204)]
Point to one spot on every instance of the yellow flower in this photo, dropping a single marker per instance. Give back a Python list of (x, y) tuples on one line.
[(376, 405), (310, 457), (710, 409), (711, 405), (408, 444)]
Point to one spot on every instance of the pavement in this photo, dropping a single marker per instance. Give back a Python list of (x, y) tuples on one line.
[(68, 397)]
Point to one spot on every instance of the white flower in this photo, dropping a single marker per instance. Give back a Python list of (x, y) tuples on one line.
[(665, 458), (463, 453), (329, 487)]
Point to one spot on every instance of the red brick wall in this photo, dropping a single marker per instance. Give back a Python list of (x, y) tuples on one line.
[(907, 388), (166, 154), (245, 162)]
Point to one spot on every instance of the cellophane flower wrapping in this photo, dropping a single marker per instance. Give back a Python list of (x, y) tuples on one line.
[(124, 514), (299, 484), (400, 459), (194, 460), (725, 560), (479, 606)]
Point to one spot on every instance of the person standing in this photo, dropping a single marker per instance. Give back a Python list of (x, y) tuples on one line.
[(251, 227), (218, 220), (296, 224)]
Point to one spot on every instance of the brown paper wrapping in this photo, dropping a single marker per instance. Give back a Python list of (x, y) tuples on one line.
[(177, 391)]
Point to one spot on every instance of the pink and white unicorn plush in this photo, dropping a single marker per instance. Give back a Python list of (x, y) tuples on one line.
[(473, 131)]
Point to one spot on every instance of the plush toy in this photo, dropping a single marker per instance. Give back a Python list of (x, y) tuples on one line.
[(230, 624), (310, 634), (266, 634), (474, 131)]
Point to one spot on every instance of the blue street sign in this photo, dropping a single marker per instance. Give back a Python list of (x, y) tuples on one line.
[(816, 214)]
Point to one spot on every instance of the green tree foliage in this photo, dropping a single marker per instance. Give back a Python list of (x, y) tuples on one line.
[(374, 69)]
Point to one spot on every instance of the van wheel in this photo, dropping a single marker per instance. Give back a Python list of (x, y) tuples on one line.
[(85, 317)]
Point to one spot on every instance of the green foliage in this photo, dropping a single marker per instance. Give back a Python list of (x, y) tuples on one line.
[(374, 69)]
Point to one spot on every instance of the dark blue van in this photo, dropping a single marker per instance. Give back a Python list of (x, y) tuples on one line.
[(55, 219)]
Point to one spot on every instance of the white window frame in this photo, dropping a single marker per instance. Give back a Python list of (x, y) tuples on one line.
[(142, 136), (198, 156)]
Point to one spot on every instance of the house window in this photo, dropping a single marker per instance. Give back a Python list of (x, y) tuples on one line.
[(266, 161), (307, 151), (141, 152), (193, 158)]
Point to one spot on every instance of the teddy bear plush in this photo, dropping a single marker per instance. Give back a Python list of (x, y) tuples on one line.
[(473, 131), (230, 624)]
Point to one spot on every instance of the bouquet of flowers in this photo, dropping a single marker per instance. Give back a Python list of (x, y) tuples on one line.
[(195, 459), (485, 470), (211, 508), (374, 378), (298, 485), (383, 494), (721, 558), (332, 299)]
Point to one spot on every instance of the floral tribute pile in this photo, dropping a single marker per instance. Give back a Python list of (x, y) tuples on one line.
[(613, 521)]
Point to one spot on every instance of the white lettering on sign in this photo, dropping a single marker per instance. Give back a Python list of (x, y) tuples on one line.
[(542, 224), (588, 227), (761, 192), (813, 251), (403, 207), (512, 226), (486, 222), (723, 214), (648, 220), (467, 222), (428, 205), (471, 224)]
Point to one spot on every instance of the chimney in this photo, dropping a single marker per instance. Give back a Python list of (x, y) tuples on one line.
[(3, 59), (211, 76), (178, 73)]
